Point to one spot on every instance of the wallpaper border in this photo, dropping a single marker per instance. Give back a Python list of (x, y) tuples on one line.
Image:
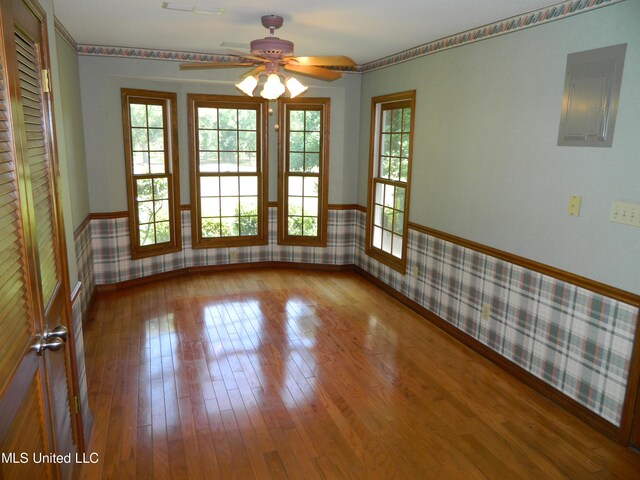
[(516, 23)]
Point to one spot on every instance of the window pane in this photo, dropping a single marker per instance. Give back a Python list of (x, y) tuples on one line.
[(396, 143), (296, 162), (386, 241), (228, 161), (406, 121), (379, 194), (310, 207), (247, 119), (139, 139), (207, 117), (295, 186), (248, 225), (228, 140), (230, 227), (295, 226), (312, 142), (157, 162), (144, 189), (396, 122), (210, 227), (312, 121), (162, 232), (161, 188), (210, 207), (208, 161), (399, 199), (248, 162), (161, 211), (296, 120), (312, 162), (248, 206), (386, 121), (155, 117), (404, 170), (247, 141), (387, 218), (385, 147), (147, 234), (294, 206), (394, 168), (229, 206), (377, 237), (138, 115), (209, 186), (398, 223), (311, 186), (405, 145), (296, 142), (310, 227), (397, 246), (208, 140), (249, 185), (229, 186), (384, 167), (377, 215), (145, 212), (140, 163), (228, 118), (388, 196)]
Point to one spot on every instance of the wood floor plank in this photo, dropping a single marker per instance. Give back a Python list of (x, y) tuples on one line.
[(312, 375)]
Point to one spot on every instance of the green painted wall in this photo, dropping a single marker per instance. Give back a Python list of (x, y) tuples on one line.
[(71, 113), (102, 78), (486, 164)]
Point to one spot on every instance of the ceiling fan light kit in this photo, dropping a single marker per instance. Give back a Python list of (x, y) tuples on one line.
[(268, 55)]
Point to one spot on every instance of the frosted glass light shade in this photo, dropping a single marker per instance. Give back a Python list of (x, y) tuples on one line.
[(273, 87), (248, 85), (295, 87)]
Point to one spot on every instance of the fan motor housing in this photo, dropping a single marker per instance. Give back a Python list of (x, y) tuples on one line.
[(272, 46)]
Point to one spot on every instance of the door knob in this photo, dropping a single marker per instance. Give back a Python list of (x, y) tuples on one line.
[(60, 332), (54, 344)]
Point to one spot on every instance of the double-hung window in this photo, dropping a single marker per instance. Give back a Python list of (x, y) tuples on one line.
[(390, 177), (303, 171), (151, 165), (228, 151)]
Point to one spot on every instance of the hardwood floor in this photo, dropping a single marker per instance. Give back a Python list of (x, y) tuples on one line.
[(312, 375)]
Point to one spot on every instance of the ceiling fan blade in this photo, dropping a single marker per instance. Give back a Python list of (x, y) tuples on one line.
[(205, 65), (329, 61), (254, 71), (312, 71), (237, 53)]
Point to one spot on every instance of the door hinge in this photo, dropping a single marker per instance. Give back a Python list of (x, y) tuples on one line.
[(76, 403), (46, 86)]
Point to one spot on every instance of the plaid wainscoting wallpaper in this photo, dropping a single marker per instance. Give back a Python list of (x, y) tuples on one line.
[(112, 259), (576, 340)]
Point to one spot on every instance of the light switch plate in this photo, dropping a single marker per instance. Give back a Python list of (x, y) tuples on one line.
[(573, 208), (625, 213)]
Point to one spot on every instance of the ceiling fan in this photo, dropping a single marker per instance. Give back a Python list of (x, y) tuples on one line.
[(269, 54)]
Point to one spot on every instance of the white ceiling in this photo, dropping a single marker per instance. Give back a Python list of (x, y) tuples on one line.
[(365, 30)]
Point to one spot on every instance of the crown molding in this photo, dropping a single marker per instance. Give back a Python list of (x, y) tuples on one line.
[(64, 33), (556, 11)]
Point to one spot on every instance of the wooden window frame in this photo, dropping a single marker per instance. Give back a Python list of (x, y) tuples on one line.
[(379, 103), (170, 126), (194, 101), (305, 104)]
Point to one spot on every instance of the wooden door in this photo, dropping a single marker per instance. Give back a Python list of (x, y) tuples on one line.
[(36, 384)]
